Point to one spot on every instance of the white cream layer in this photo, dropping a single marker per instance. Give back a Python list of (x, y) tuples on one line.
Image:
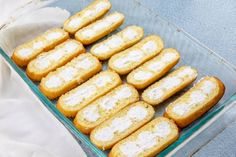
[(129, 59), (102, 81), (169, 83), (145, 140), (115, 42), (84, 64), (130, 34), (46, 60), (142, 75), (25, 52), (121, 124), (101, 49), (149, 47), (68, 73), (101, 6), (91, 113), (197, 96), (75, 22), (80, 95), (53, 36), (109, 103), (38, 45), (101, 25), (53, 82)]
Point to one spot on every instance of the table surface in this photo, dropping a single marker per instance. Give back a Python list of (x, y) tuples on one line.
[(212, 22)]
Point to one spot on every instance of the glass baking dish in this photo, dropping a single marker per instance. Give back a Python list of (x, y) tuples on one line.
[(192, 53)]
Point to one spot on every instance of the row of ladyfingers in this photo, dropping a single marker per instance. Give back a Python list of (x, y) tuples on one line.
[(104, 107), (156, 135), (114, 116), (112, 120), (49, 61), (87, 26)]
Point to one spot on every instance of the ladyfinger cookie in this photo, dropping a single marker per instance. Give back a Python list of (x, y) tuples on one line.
[(99, 28), (148, 141), (136, 55), (169, 85), (104, 107), (118, 42), (153, 69), (195, 102), (70, 75), (51, 60), (86, 16), (73, 101), (24, 53), (121, 125)]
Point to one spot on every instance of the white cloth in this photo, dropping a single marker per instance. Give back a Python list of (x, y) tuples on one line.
[(27, 128)]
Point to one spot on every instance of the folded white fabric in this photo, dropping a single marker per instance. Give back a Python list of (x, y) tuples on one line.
[(27, 128)]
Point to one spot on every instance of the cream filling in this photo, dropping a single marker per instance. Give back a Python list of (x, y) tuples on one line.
[(25, 52), (102, 81), (113, 18), (138, 113), (108, 103), (196, 97), (171, 82), (75, 22), (142, 75), (101, 6), (208, 87), (168, 83), (53, 35), (181, 108), (101, 49), (53, 82), (79, 96), (88, 33), (168, 57), (85, 64), (42, 62), (130, 34), (115, 42), (155, 93), (131, 57), (91, 113), (121, 124), (186, 72), (145, 140), (38, 45), (123, 93), (89, 13), (156, 65), (100, 26), (68, 73), (70, 46), (55, 55), (149, 47)]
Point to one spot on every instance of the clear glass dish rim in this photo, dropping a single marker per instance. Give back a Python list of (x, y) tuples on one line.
[(69, 125)]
